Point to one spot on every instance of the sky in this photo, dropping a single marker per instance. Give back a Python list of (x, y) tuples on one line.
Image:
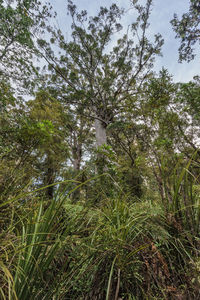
[(162, 13)]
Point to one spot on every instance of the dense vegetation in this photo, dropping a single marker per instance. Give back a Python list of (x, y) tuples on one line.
[(100, 159)]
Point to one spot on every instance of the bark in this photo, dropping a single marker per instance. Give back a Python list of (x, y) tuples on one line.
[(100, 129), (49, 178), (101, 139), (77, 156)]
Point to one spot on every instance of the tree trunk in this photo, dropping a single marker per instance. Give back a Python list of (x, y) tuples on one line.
[(50, 180), (77, 156), (101, 137), (49, 177)]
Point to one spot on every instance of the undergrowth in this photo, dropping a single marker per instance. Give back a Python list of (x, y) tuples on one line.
[(121, 249)]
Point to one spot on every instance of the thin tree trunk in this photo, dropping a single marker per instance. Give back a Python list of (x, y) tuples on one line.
[(49, 178), (77, 156)]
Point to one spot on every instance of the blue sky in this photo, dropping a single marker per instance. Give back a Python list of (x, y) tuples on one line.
[(162, 13)]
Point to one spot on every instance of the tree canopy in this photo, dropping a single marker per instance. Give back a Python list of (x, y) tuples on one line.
[(188, 31)]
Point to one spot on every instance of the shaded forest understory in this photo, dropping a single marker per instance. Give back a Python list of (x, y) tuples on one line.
[(99, 157)]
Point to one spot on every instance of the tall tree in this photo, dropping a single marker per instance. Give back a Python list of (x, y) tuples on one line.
[(101, 80), (20, 22), (188, 30), (188, 103), (46, 121)]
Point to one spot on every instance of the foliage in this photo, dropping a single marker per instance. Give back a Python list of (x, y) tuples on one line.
[(121, 249), (99, 171), (20, 22), (187, 30)]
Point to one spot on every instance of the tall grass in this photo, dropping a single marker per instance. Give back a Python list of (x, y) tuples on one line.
[(63, 249)]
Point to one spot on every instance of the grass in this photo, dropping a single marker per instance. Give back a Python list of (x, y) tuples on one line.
[(121, 248)]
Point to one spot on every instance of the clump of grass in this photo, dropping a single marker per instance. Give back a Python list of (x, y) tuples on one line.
[(121, 248)]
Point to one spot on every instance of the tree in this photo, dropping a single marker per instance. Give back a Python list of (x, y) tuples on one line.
[(14, 149), (33, 144), (20, 22), (45, 123), (188, 30), (188, 103), (6, 96), (160, 134), (104, 81)]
